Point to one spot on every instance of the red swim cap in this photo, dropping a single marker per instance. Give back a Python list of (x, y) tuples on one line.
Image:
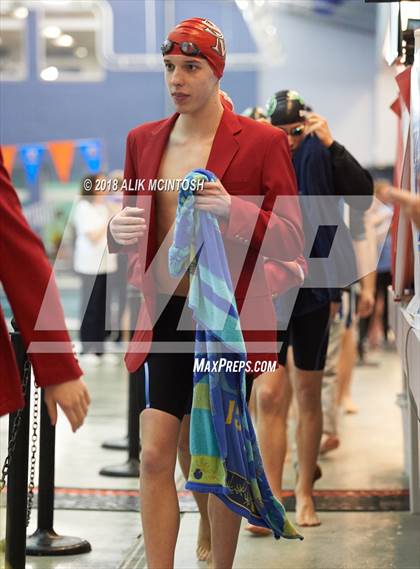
[(206, 36)]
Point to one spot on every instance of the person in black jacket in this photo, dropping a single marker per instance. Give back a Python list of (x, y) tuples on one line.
[(307, 329), (323, 167), (355, 185), (351, 180)]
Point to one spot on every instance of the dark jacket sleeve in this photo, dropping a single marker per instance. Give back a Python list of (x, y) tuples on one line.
[(30, 287), (318, 179), (351, 181)]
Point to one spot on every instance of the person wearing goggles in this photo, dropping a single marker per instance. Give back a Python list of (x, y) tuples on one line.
[(307, 330), (186, 47), (283, 110), (248, 159)]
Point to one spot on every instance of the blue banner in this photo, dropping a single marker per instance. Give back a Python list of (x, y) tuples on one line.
[(31, 156), (92, 153)]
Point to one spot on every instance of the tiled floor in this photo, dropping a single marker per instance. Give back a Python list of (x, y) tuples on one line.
[(370, 457), (343, 541)]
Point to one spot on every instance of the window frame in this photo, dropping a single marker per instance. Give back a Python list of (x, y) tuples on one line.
[(22, 26), (70, 24)]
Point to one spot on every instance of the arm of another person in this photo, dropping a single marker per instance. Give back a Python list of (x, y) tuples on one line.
[(96, 234), (351, 180), (367, 281), (364, 244), (410, 203), (26, 274), (87, 223)]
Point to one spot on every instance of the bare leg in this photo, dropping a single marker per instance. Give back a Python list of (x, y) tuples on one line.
[(273, 394), (159, 500), (184, 457), (376, 331), (224, 533), (330, 440), (307, 386), (346, 363), (252, 407)]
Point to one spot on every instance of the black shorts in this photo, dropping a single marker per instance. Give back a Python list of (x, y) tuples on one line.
[(166, 378), (308, 334)]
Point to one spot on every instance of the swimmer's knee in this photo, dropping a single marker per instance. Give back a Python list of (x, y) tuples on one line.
[(154, 461), (269, 398)]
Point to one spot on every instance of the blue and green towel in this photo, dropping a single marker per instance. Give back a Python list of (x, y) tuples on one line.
[(225, 459)]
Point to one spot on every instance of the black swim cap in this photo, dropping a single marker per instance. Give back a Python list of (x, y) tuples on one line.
[(284, 106), (254, 113)]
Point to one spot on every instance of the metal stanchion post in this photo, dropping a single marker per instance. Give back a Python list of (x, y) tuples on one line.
[(121, 443), (130, 468), (45, 541), (116, 444), (121, 285), (17, 486)]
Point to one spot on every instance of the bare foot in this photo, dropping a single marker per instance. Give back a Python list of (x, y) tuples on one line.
[(203, 541), (349, 406), (328, 443), (305, 512), (258, 531), (317, 473)]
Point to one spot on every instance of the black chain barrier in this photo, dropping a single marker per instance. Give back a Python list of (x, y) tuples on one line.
[(20, 494), (45, 541), (15, 468)]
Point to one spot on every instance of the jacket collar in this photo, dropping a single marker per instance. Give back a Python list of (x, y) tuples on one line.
[(223, 149), (225, 145)]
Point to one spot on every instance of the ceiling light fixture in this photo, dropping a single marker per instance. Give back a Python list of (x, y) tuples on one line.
[(49, 74), (51, 32), (64, 40)]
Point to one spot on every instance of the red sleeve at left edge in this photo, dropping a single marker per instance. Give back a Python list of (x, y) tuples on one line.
[(25, 274)]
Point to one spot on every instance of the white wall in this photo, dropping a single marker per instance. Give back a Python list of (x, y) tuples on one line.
[(385, 134), (335, 70)]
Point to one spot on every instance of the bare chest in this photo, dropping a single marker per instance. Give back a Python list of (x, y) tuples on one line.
[(179, 159), (176, 162)]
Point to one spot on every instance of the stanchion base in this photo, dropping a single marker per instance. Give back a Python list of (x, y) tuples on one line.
[(116, 444), (47, 542), (130, 469)]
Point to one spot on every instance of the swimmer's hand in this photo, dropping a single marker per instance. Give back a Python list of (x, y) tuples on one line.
[(72, 397), (318, 125), (128, 226), (213, 198)]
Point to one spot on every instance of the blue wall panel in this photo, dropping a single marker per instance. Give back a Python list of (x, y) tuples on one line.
[(38, 111)]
